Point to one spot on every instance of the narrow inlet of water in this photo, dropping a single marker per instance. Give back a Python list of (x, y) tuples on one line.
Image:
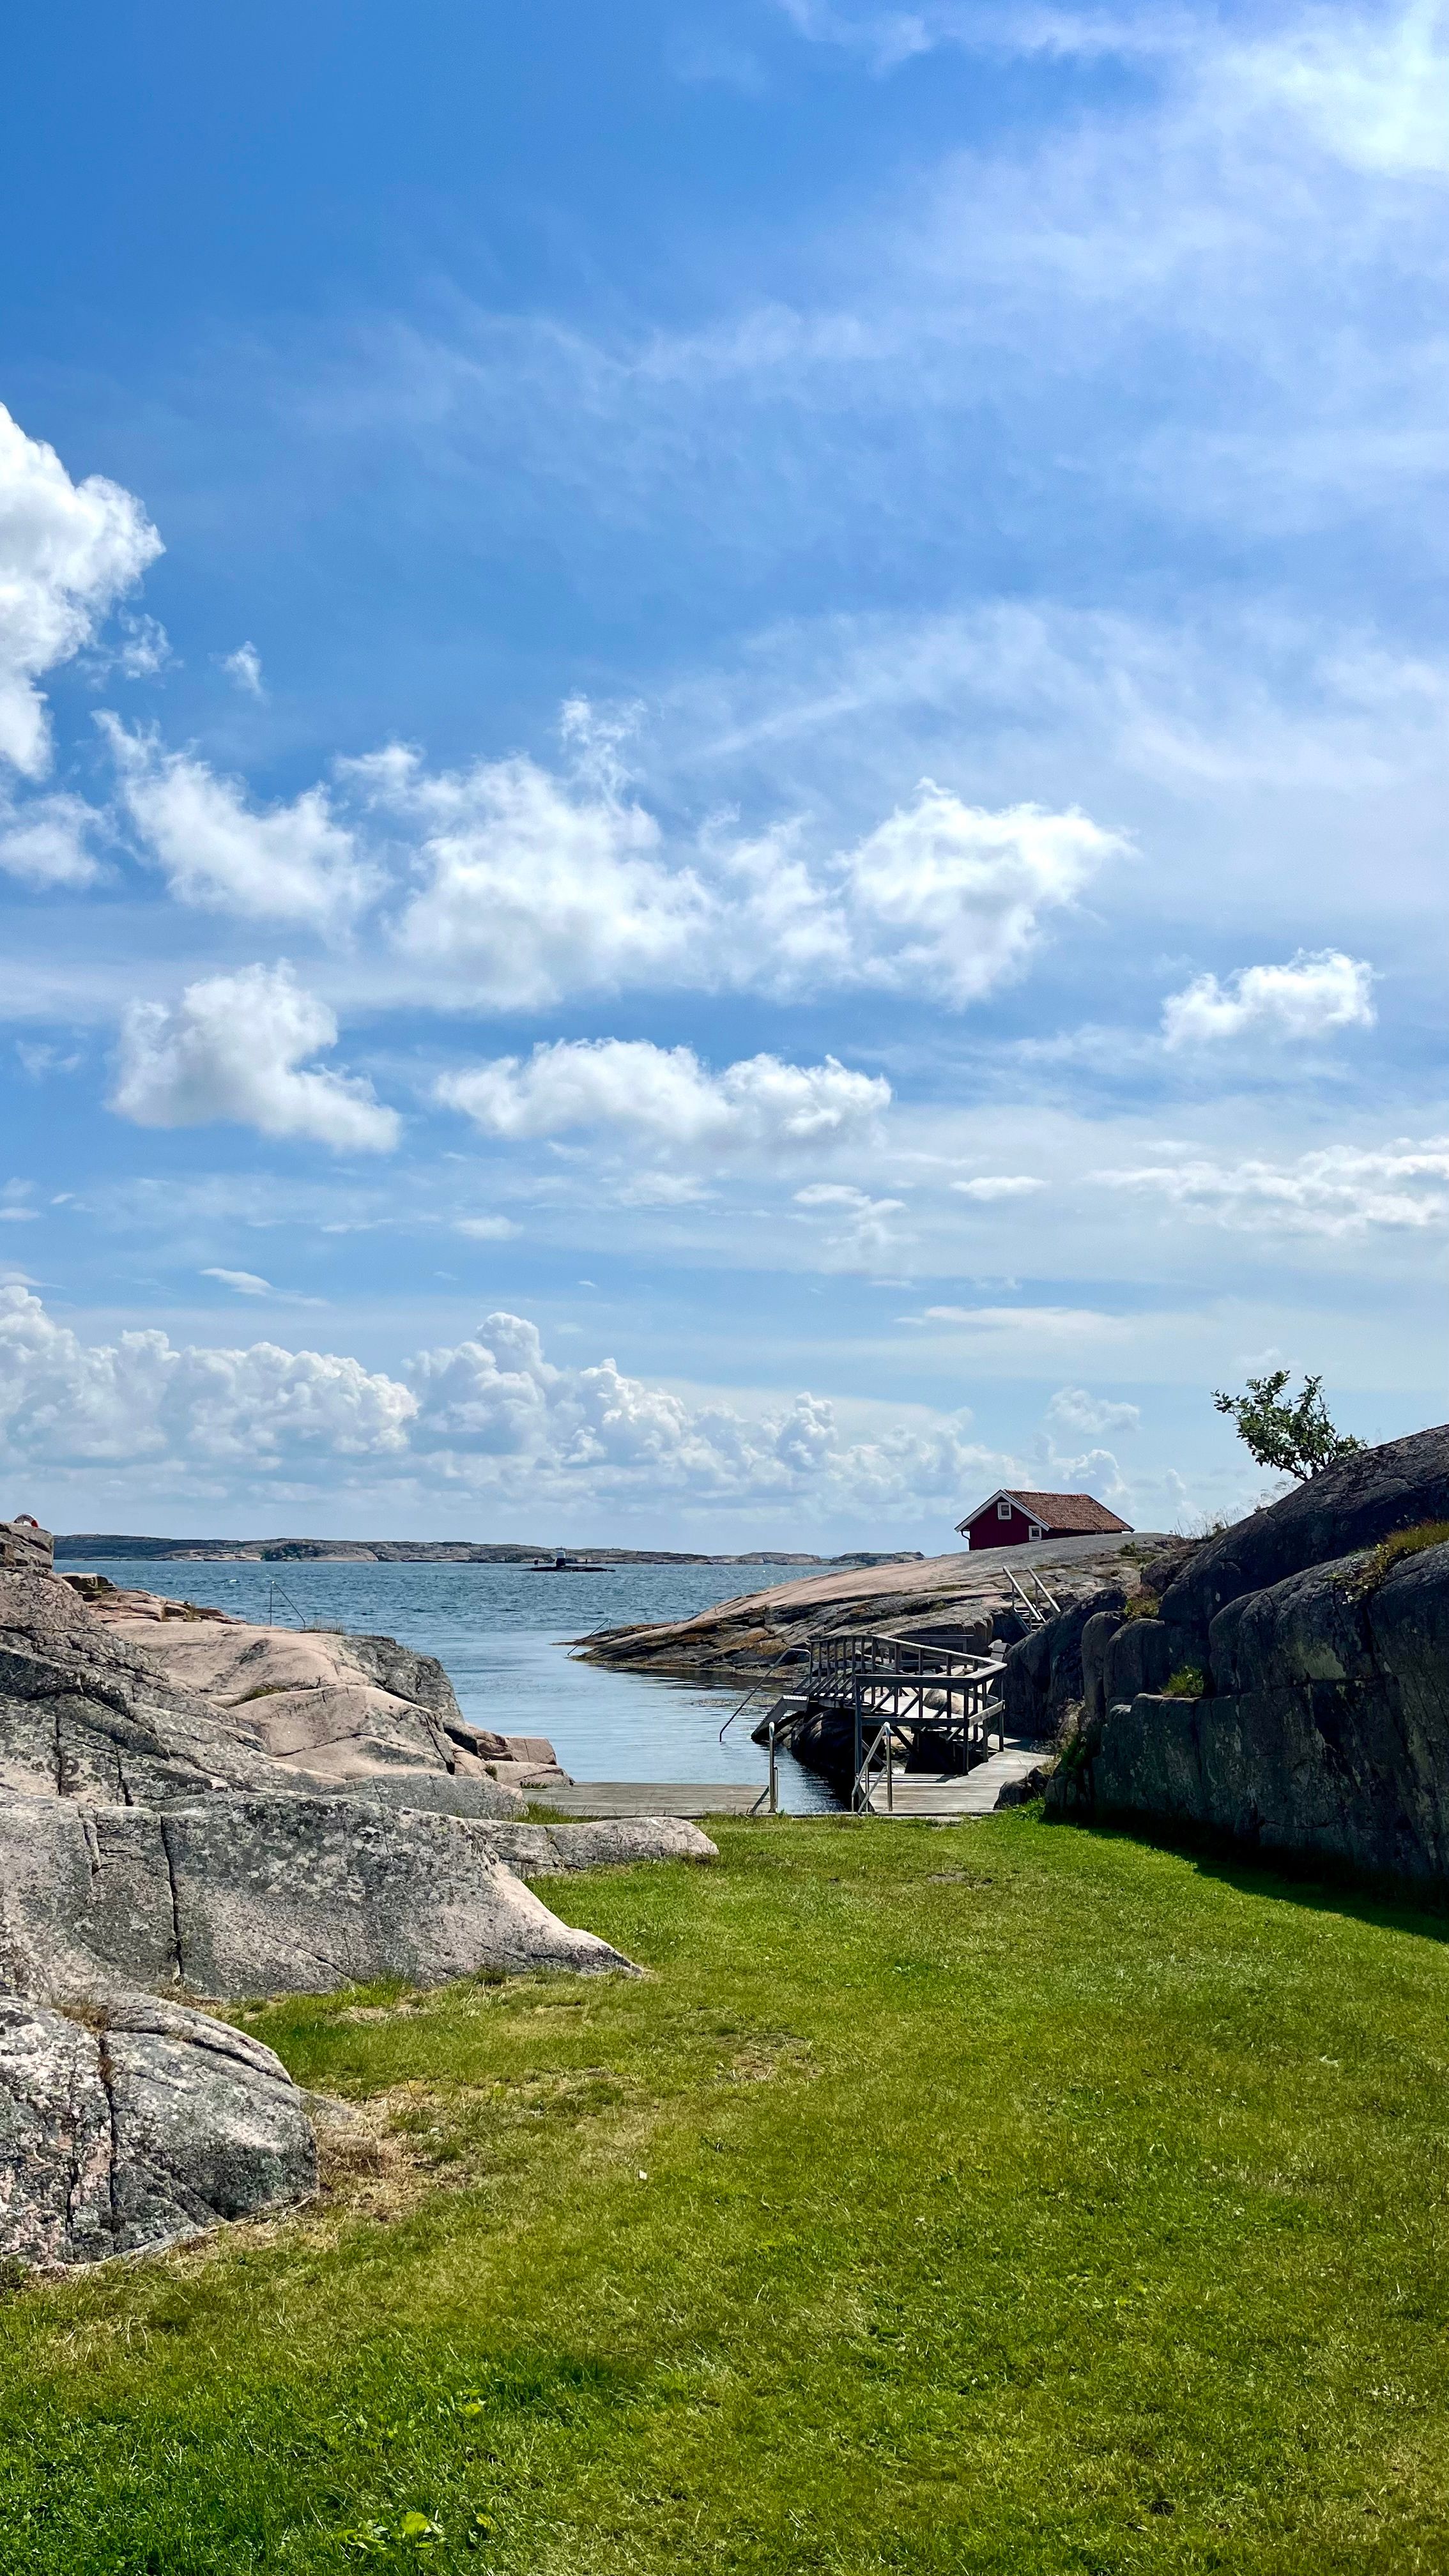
[(501, 1633)]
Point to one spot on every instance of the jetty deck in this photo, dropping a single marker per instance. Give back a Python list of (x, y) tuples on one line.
[(914, 1796)]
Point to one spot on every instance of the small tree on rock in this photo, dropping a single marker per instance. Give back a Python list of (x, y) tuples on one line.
[(1294, 1438)]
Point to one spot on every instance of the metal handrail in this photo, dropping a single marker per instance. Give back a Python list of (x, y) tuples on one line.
[(1032, 1608), (790, 1655), (860, 1801)]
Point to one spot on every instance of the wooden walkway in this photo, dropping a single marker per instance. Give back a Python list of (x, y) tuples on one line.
[(938, 1796), (920, 1796), (651, 1798)]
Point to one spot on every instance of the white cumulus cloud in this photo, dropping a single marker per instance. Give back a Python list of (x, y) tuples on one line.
[(1072, 1408), (43, 841), (949, 898), (865, 1228), (532, 886), (236, 1047), (1310, 997), (142, 1399), (68, 551), (495, 1410), (290, 862), (491, 1418), (665, 1096)]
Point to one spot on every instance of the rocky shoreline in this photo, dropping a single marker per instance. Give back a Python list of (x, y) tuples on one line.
[(193, 1810), (962, 1598)]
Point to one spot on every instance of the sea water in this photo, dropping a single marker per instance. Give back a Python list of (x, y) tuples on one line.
[(502, 1632)]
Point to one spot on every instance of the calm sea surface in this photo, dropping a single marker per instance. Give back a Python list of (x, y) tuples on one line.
[(501, 1633)]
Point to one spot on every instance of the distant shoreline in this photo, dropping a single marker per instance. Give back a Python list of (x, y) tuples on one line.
[(71, 1546)]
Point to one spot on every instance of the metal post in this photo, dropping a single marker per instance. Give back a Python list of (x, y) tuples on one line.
[(859, 1748), (774, 1779)]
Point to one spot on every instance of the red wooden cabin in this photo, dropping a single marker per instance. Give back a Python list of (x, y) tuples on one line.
[(1013, 1517)]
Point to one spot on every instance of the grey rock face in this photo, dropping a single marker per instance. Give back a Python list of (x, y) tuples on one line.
[(1097, 1637), (1142, 1655), (1324, 1732), (1364, 1498), (300, 1895), (543, 1851), (25, 1548), (1044, 1672), (83, 1715), (143, 2126), (89, 1710), (244, 1896)]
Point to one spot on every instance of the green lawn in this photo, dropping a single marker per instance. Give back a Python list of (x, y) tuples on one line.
[(1002, 2197)]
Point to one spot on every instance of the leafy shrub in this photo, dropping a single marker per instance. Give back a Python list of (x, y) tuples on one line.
[(1295, 1438), (1188, 1682)]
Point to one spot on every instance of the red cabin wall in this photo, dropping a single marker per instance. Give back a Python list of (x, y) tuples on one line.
[(987, 1531)]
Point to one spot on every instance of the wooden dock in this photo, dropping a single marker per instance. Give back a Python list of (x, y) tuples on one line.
[(691, 1798), (938, 1796), (918, 1796)]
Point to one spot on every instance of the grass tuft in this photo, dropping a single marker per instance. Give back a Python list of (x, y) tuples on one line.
[(1390, 1552)]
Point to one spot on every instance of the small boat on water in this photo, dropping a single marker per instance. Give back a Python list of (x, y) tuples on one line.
[(566, 1565)]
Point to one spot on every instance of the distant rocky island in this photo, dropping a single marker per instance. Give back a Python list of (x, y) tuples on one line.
[(75, 1545)]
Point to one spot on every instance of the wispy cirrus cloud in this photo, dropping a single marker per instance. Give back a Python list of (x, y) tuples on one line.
[(1336, 1190)]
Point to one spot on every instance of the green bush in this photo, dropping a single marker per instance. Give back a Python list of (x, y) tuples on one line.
[(1187, 1683)]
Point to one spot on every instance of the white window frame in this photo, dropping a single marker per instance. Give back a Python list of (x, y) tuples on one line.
[(1004, 1511)]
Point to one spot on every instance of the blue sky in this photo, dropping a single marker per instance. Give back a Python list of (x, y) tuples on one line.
[(722, 757)]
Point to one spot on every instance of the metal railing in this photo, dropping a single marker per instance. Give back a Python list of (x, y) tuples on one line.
[(791, 1654), (893, 1687), (862, 1798), (1030, 1602)]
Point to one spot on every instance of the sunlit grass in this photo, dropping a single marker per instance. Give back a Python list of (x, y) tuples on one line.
[(1000, 2197)]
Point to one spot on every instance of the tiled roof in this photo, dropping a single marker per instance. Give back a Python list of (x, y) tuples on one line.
[(1064, 1515)]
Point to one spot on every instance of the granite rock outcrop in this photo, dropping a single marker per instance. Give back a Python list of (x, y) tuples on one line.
[(170, 1827), (142, 2123), (1292, 1693)]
